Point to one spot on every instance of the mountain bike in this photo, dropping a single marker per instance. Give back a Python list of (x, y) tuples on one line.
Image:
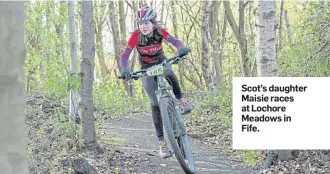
[(171, 112)]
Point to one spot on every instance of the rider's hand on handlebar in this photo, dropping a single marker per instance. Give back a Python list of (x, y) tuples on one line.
[(183, 51), (176, 62), (126, 74)]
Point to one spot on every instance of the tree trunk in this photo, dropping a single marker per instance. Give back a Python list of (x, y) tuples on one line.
[(243, 41), (100, 16), (266, 55), (167, 14), (240, 36), (115, 32), (134, 10), (175, 26), (87, 73), (122, 24), (59, 27), (205, 53), (280, 27), (265, 40), (115, 37), (222, 44), (74, 64), (288, 26), (162, 12), (214, 30), (12, 57), (100, 52)]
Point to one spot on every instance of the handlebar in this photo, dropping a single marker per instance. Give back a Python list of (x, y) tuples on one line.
[(140, 73)]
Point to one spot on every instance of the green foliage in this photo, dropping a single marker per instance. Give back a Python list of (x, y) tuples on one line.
[(250, 160), (111, 95), (251, 155), (221, 103), (47, 62), (74, 82), (112, 140), (45, 35), (309, 54), (74, 148), (96, 126)]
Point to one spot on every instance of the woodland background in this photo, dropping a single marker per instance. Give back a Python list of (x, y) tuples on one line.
[(64, 40)]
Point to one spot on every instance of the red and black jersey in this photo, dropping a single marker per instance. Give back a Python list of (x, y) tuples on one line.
[(150, 53)]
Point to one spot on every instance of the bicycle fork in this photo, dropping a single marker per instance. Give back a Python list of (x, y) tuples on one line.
[(162, 87), (160, 92)]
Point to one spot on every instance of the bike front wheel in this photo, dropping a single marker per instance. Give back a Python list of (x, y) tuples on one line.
[(177, 134)]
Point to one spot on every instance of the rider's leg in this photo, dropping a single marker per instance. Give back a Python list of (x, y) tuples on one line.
[(173, 80), (150, 86), (155, 112)]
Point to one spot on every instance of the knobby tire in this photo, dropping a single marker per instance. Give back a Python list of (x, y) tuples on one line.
[(170, 116)]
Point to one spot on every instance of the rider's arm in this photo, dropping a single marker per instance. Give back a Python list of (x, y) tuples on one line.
[(129, 47), (171, 39)]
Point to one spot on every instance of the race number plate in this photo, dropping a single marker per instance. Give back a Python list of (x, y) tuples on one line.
[(155, 70)]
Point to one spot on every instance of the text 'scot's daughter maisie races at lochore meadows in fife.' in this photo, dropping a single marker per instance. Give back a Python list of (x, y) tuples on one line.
[(148, 41)]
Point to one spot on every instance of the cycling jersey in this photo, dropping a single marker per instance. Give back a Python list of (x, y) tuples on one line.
[(152, 52)]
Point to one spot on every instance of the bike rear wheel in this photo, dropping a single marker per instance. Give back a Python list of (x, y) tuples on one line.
[(177, 134)]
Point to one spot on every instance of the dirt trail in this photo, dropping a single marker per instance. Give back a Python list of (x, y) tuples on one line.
[(139, 144)]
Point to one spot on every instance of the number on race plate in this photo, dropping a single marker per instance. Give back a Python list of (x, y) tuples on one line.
[(155, 71)]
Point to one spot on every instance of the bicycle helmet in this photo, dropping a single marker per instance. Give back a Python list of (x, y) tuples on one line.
[(145, 14)]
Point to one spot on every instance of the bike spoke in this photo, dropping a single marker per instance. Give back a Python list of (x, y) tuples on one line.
[(178, 133), (182, 148)]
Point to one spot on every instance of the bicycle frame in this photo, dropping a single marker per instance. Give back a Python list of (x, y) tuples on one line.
[(162, 87), (165, 90)]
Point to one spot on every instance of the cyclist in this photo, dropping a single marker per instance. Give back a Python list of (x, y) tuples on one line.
[(148, 41)]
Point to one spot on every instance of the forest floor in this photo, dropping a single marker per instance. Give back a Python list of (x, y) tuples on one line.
[(130, 145), (139, 146)]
